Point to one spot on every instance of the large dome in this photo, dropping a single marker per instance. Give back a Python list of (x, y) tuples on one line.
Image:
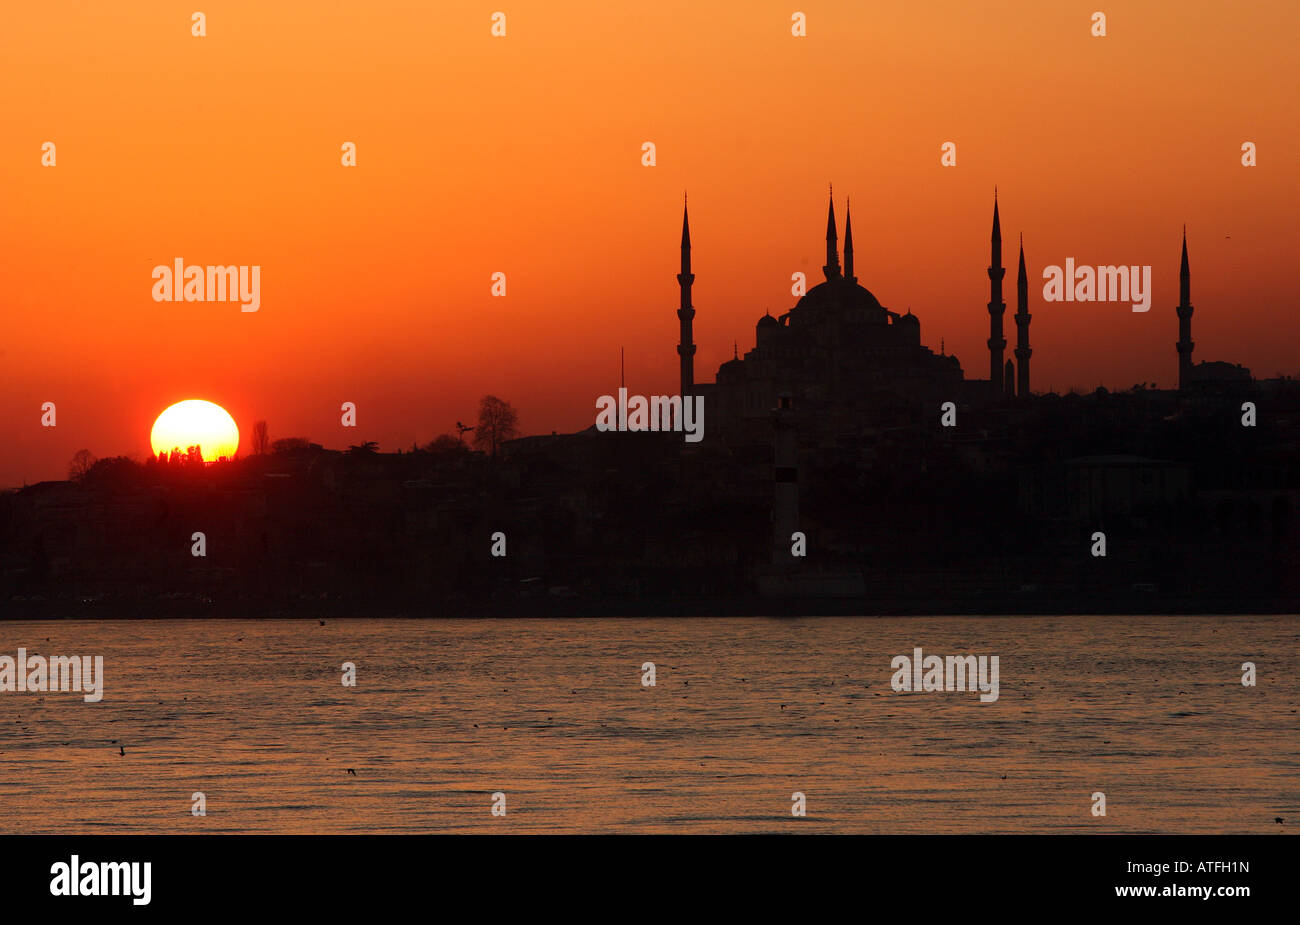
[(838, 294)]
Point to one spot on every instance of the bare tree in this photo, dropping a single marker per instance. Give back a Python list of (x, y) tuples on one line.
[(497, 423), (261, 438), (82, 460)]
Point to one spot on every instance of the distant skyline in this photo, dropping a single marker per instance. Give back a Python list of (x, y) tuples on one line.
[(523, 155)]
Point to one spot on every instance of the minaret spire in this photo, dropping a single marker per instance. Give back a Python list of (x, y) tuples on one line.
[(1022, 325), (686, 312), (1184, 276), (1185, 344), (996, 253), (848, 243), (997, 343), (832, 268)]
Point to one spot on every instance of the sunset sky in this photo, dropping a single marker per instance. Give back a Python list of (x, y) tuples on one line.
[(523, 155)]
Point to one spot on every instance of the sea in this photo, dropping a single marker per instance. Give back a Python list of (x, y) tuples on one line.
[(751, 725)]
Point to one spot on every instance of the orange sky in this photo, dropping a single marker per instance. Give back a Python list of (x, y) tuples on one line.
[(522, 154)]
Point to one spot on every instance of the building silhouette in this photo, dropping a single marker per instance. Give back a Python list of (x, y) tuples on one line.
[(825, 437), (838, 355)]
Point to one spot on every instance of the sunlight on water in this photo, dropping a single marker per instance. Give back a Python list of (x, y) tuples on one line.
[(1149, 710)]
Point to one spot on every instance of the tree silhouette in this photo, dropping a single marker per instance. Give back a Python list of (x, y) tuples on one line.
[(115, 473), (447, 445), (261, 438), (497, 423), (82, 460)]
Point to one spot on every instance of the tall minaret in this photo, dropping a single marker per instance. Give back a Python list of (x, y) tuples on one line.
[(1185, 344), (997, 343), (686, 313), (832, 268), (1022, 325), (848, 244)]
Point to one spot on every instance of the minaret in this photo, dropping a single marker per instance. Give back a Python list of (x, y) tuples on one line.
[(1022, 325), (1185, 344), (686, 313), (997, 343), (1009, 379), (832, 268), (848, 244)]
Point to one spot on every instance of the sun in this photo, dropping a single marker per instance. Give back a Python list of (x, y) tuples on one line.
[(195, 422)]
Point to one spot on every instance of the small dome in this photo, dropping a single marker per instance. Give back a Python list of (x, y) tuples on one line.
[(767, 321)]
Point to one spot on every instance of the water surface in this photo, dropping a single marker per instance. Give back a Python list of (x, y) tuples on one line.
[(1149, 710)]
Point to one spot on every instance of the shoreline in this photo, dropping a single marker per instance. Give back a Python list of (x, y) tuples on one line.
[(757, 608)]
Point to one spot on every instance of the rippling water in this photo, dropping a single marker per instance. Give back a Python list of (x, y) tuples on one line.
[(1149, 710)]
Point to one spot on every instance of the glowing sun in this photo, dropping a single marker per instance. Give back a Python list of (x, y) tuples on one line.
[(196, 423)]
